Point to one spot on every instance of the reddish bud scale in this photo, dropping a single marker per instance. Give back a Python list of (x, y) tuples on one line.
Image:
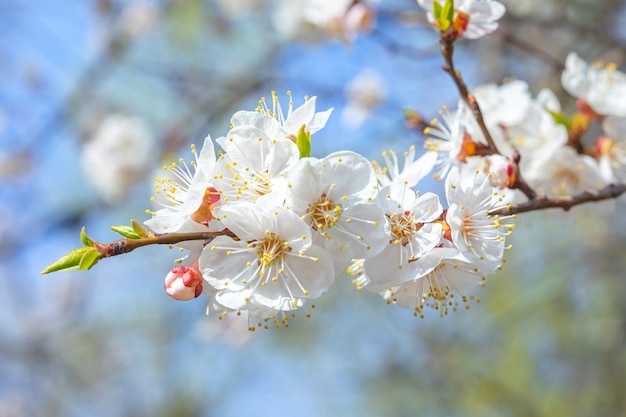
[(204, 215)]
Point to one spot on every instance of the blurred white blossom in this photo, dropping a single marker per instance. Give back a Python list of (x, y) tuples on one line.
[(599, 86), (316, 20), (139, 18), (364, 93), (472, 18), (121, 153)]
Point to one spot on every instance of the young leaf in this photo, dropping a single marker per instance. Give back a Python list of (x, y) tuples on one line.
[(448, 11), (561, 119), (89, 259), (304, 143), (87, 241), (81, 258), (126, 231), (140, 229), (437, 9)]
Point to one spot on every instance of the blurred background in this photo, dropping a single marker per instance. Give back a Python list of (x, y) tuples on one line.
[(97, 95)]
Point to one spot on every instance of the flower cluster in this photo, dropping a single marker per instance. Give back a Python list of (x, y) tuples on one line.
[(292, 223), (534, 131), (269, 228)]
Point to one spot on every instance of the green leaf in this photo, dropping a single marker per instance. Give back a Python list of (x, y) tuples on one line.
[(140, 229), (78, 259), (126, 231), (448, 11), (437, 9), (304, 142), (87, 241), (89, 259), (561, 118)]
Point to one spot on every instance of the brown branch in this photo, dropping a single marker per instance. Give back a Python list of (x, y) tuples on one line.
[(609, 192), (123, 246), (446, 43)]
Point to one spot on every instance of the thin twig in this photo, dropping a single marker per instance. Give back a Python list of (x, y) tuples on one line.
[(123, 246), (446, 44), (541, 203)]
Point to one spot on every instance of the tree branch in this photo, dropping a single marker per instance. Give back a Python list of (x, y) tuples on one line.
[(446, 43), (609, 192), (123, 246)]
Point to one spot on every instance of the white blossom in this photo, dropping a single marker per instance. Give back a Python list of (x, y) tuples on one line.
[(278, 125), (447, 138), (442, 287), (564, 173), (254, 167), (504, 104), (601, 86), (414, 233), (477, 234), (317, 20), (364, 92), (538, 134), (186, 194), (336, 197), (412, 172), (473, 18), (611, 149), (273, 266), (120, 154)]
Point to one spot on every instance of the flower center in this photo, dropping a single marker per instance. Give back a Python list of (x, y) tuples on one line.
[(260, 183), (324, 213), (467, 225), (402, 228), (567, 180), (271, 250)]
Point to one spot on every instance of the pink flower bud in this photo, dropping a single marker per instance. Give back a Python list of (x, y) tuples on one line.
[(500, 170), (359, 18), (184, 283)]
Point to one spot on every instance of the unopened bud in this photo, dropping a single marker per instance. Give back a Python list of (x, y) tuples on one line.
[(184, 283), (359, 18), (500, 170)]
